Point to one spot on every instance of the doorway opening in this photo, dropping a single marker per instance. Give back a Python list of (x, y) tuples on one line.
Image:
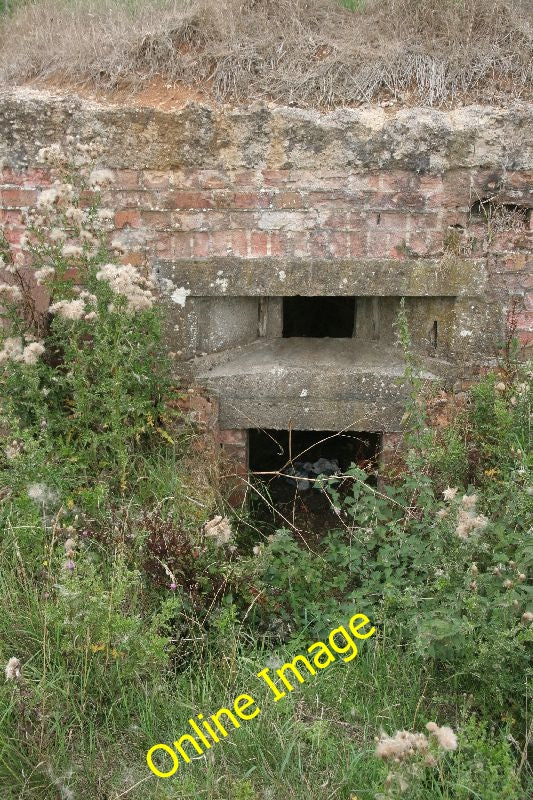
[(319, 317)]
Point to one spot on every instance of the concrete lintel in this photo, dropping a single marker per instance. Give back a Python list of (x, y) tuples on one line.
[(231, 277)]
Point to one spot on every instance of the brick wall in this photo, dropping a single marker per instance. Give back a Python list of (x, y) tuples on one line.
[(321, 214)]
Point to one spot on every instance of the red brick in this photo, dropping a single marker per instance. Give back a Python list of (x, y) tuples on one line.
[(398, 181), (188, 200), (252, 199), (319, 244), (200, 244), (130, 217), (17, 198), (157, 220), (233, 436), (180, 245), (154, 179), (210, 179), (288, 200), (524, 321), (239, 243), (390, 221), (277, 243), (339, 244), (276, 177), (258, 244), (248, 177), (357, 244), (127, 179), (297, 244), (377, 245), (220, 243)]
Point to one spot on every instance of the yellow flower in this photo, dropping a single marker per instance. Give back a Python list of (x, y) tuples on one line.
[(490, 473), (116, 653), (45, 563), (165, 435), (70, 503), (96, 648)]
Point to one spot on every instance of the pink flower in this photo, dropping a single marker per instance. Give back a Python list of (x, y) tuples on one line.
[(173, 586), (69, 564)]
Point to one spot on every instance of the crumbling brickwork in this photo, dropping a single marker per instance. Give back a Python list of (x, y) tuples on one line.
[(231, 208)]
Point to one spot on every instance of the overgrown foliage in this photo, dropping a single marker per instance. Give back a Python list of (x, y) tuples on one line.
[(310, 52), (126, 605)]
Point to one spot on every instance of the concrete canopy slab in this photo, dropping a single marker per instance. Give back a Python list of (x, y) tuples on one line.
[(311, 384), (223, 276)]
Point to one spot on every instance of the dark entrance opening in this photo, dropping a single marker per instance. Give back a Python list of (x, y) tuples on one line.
[(286, 466), (319, 317)]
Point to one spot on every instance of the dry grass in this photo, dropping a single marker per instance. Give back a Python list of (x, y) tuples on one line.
[(305, 52)]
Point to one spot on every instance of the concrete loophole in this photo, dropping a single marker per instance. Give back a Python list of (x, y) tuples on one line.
[(285, 466), (319, 317)]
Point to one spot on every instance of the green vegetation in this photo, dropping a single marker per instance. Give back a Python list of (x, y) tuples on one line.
[(127, 607)]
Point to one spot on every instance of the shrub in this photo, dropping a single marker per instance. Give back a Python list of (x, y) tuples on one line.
[(83, 380)]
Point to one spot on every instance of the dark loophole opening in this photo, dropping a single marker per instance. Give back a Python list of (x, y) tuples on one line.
[(319, 317), (489, 209), (300, 456)]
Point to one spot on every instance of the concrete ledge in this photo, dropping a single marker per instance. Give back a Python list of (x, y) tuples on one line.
[(240, 277), (311, 384)]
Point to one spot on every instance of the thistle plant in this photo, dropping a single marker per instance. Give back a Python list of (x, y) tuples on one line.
[(80, 356)]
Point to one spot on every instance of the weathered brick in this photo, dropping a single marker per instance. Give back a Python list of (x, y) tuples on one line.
[(288, 200), (130, 217), (248, 177), (319, 244), (258, 244), (276, 177), (126, 179), (17, 198), (398, 181), (188, 200), (251, 199), (340, 244), (231, 436), (157, 220), (377, 244), (389, 221), (239, 243), (524, 321), (220, 243), (200, 244), (180, 244), (276, 244), (152, 179), (357, 244), (297, 244), (210, 179)]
